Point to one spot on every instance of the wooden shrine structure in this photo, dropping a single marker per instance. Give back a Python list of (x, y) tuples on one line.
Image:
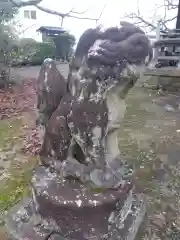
[(166, 59)]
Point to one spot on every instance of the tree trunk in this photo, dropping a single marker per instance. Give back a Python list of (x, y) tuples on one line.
[(4, 75), (62, 21), (178, 17)]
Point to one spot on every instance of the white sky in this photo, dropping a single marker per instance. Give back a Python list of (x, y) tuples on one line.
[(113, 13)]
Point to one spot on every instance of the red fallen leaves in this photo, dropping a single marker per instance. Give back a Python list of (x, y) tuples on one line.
[(32, 142), (17, 99), (14, 102)]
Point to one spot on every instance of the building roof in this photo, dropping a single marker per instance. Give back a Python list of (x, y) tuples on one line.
[(51, 29)]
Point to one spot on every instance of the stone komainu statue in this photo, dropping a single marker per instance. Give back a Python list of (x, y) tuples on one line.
[(84, 188), (81, 134)]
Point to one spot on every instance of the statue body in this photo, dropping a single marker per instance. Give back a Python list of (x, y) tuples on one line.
[(84, 188)]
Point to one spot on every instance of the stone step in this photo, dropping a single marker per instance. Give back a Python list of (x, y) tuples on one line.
[(167, 41), (165, 72), (172, 58)]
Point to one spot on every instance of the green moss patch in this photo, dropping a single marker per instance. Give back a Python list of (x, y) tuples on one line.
[(10, 131), (16, 185)]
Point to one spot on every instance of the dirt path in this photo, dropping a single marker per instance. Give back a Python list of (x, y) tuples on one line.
[(24, 73), (149, 137)]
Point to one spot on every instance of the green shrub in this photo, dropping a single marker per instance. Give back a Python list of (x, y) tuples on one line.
[(33, 53), (24, 42), (43, 50)]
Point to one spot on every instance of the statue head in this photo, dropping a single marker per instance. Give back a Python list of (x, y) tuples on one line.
[(113, 53)]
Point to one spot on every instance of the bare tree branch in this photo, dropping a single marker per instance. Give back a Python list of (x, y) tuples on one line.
[(63, 15), (23, 4), (72, 11), (101, 13), (170, 4), (69, 14), (138, 19)]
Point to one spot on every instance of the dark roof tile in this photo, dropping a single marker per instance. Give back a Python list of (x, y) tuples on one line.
[(49, 28)]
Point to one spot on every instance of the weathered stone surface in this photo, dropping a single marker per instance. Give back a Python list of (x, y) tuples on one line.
[(84, 188), (50, 88), (80, 223), (23, 223), (74, 206)]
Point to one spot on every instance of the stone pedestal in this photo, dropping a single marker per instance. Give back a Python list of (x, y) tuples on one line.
[(67, 209)]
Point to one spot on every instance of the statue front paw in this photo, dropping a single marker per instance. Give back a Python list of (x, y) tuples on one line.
[(105, 179)]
